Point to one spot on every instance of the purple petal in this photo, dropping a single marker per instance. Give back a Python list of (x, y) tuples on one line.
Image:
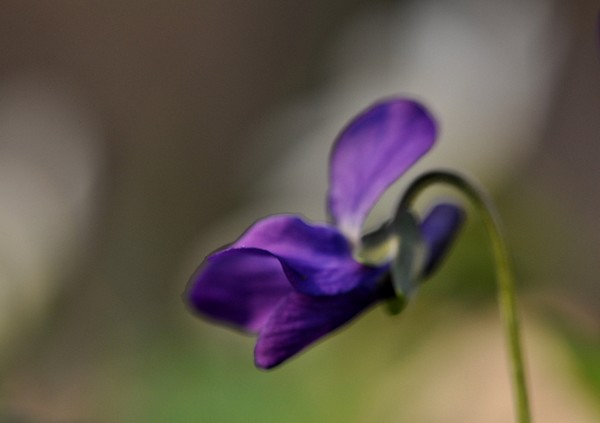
[(317, 258), (300, 320), (438, 230), (239, 286), (290, 237), (374, 150)]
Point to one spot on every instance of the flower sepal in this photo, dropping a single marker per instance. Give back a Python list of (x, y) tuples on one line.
[(411, 249), (399, 243), (407, 266), (395, 305)]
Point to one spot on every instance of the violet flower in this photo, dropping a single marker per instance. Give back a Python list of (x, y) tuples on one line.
[(292, 282)]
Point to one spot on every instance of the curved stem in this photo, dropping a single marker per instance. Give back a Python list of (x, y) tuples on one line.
[(505, 280)]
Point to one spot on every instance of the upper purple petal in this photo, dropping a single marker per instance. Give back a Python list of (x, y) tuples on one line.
[(300, 320), (374, 150), (439, 229), (239, 286), (317, 258)]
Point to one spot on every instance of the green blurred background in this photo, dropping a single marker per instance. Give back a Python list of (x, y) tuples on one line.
[(138, 136)]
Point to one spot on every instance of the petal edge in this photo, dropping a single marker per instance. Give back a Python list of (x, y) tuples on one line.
[(239, 287)]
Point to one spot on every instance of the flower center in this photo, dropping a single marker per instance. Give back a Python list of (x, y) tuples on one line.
[(379, 253)]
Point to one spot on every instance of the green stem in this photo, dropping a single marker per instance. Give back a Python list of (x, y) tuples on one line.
[(505, 280)]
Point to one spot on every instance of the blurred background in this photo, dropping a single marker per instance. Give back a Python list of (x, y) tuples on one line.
[(136, 137)]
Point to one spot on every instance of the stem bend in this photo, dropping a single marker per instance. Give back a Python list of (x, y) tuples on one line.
[(504, 276)]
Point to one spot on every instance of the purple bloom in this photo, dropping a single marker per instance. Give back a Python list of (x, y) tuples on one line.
[(293, 282)]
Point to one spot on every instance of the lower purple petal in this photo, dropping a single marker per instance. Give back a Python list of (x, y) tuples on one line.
[(239, 286), (299, 320)]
